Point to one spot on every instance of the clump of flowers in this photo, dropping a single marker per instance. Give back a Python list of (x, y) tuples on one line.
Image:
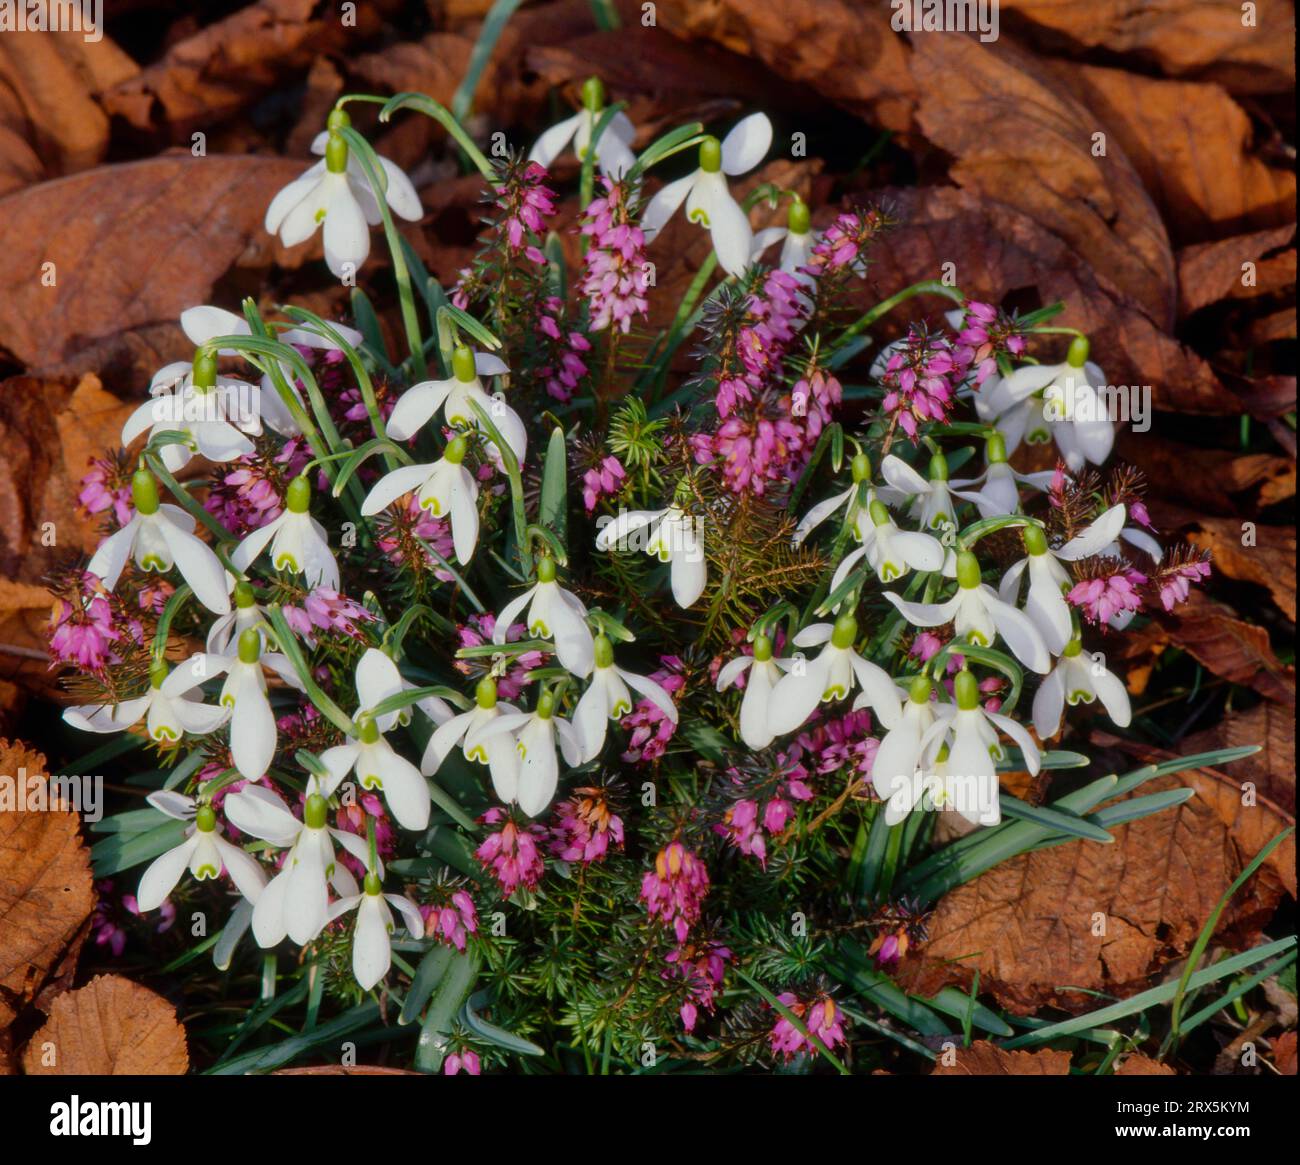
[(675, 889), (823, 1020)]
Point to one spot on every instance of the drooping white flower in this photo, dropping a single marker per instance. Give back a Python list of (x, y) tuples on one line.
[(607, 698), (372, 952), (296, 901), (756, 704), (707, 196), (553, 613), (378, 678), (243, 694), (673, 537), (831, 676), (1048, 580), (613, 147), (1079, 678), (166, 718), (377, 764), (898, 770), (929, 499), (797, 239), (445, 488), (248, 615), (159, 537), (890, 551), (854, 501), (204, 323), (536, 735), (204, 852), (1060, 400), (419, 403), (298, 542), (497, 752), (216, 414), (337, 192), (978, 616), (996, 491)]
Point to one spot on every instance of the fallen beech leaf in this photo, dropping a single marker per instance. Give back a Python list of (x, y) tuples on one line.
[(1182, 38), (1272, 769), (1139, 1065), (1210, 272), (1226, 482), (110, 1027), (985, 1059), (194, 217), (46, 892), (1284, 1053), (1190, 143), (1028, 925), (1269, 563)]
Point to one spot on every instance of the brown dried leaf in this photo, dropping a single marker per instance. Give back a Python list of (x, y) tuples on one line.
[(1210, 272), (110, 1027), (1284, 1053), (1269, 563), (1139, 1065), (1273, 767), (1225, 481), (46, 891), (985, 1059)]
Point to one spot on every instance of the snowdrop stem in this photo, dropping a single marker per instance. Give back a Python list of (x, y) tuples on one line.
[(293, 653), (683, 324), (925, 287), (516, 486), (401, 272), (443, 116), (191, 506), (373, 845), (174, 604)]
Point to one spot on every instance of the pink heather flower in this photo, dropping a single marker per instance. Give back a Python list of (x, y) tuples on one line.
[(354, 816), (562, 369), (585, 827), (920, 381), (651, 729), (1139, 513), (603, 480), (925, 646), (616, 274), (98, 493), (324, 609), (842, 245), (421, 524), (987, 331), (166, 913), (478, 631), (740, 825), (702, 968), (83, 634), (674, 891), (464, 1059), (1176, 585), (526, 203), (453, 921), (512, 854), (250, 494), (830, 745), (822, 1019), (1101, 599)]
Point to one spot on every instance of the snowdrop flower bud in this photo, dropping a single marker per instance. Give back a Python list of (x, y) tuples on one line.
[(707, 197), (159, 537), (1079, 678), (298, 542)]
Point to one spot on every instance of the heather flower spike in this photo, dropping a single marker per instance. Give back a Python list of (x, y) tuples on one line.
[(159, 537), (761, 674), (607, 698), (1079, 678), (298, 542), (336, 192), (979, 615), (372, 952), (553, 613), (204, 852), (708, 199), (613, 148), (445, 489), (422, 401)]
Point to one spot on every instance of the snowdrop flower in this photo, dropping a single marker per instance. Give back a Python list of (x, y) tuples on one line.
[(445, 488), (296, 901), (214, 413), (248, 615), (252, 722), (755, 705), (708, 200), (372, 953), (674, 538), (796, 238), (536, 734), (159, 537), (929, 500), (497, 752), (377, 765), (167, 718), (1062, 399), (998, 492), (1079, 678), (337, 192), (892, 552), (831, 676), (855, 501), (613, 148), (377, 679), (454, 396), (298, 542), (978, 615), (553, 613), (205, 323), (204, 852), (1045, 603), (607, 698), (898, 771)]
